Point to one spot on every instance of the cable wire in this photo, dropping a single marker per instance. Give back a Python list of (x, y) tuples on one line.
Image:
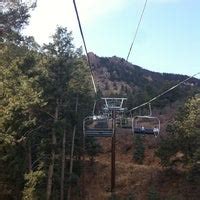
[(84, 43), (163, 93), (135, 35)]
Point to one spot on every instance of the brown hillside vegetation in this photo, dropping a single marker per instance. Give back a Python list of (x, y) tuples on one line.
[(134, 180)]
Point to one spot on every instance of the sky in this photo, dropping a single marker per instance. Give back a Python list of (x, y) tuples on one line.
[(168, 39)]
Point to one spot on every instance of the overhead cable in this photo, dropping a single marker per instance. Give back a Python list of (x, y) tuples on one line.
[(163, 93), (84, 43), (137, 28)]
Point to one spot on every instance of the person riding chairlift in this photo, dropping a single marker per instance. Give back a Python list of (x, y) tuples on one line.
[(155, 129)]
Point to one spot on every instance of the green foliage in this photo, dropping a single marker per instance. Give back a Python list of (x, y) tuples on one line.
[(92, 148), (171, 198), (166, 150), (194, 173), (20, 97), (113, 197), (139, 149), (32, 179), (131, 196), (153, 193), (183, 143), (33, 84), (14, 16), (73, 179)]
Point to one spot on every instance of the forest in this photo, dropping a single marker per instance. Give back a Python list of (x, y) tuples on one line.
[(46, 92)]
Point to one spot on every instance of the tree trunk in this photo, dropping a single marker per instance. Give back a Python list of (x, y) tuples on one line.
[(72, 152), (63, 166), (29, 157), (51, 165)]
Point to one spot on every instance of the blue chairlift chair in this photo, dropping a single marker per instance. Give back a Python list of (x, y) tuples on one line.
[(138, 128)]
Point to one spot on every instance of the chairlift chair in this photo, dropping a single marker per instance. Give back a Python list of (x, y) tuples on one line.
[(138, 128), (97, 126), (101, 125)]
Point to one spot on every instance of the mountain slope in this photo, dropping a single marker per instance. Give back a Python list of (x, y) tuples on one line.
[(115, 76)]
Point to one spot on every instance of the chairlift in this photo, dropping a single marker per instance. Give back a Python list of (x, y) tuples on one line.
[(97, 126), (102, 125), (139, 128), (139, 124)]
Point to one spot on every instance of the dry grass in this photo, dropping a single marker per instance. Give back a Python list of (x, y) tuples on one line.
[(132, 178), (129, 175)]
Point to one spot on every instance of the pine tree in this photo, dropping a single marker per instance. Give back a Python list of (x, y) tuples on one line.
[(184, 137), (20, 97), (153, 193), (138, 152), (66, 79)]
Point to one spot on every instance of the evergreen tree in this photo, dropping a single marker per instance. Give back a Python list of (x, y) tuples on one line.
[(66, 79), (138, 152), (131, 196), (184, 138), (20, 96), (38, 96), (153, 193), (14, 16)]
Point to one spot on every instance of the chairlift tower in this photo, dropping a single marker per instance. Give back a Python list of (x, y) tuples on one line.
[(100, 126), (113, 105), (104, 125)]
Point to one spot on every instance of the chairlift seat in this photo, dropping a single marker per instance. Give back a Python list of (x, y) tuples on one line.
[(93, 132), (147, 131), (102, 124)]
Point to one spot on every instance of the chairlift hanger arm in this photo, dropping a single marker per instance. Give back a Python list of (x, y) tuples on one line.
[(116, 103)]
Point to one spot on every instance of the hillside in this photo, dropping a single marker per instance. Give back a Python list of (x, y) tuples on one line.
[(117, 77), (133, 180)]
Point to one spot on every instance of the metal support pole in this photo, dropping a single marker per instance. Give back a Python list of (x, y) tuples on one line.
[(113, 152)]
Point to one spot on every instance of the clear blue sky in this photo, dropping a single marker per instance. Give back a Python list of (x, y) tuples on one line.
[(168, 39)]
